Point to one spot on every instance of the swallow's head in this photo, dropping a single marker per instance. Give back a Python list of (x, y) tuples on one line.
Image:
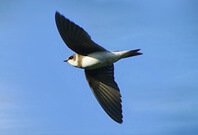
[(72, 60)]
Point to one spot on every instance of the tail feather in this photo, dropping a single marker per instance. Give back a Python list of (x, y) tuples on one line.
[(131, 53)]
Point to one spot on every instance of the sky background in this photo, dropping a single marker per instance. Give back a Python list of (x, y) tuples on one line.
[(42, 95)]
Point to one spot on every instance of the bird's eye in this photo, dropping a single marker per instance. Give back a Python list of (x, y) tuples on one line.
[(71, 57)]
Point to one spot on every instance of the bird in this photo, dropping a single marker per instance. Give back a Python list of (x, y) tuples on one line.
[(97, 62)]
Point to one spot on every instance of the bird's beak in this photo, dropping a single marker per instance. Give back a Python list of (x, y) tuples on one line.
[(65, 60)]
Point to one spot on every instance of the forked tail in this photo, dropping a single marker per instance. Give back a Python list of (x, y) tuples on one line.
[(131, 53)]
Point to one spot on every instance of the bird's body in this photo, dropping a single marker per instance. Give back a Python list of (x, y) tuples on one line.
[(97, 59), (97, 63)]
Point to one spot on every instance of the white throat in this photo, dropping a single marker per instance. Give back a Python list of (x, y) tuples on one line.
[(75, 61)]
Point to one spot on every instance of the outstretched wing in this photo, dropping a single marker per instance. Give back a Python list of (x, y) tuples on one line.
[(75, 37), (106, 90)]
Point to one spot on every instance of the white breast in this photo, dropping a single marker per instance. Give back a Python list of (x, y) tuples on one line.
[(89, 62), (98, 59)]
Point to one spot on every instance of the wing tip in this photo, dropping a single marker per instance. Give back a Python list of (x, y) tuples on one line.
[(57, 14), (119, 120), (60, 16)]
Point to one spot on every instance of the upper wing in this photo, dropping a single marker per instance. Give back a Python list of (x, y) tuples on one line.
[(75, 37), (106, 91)]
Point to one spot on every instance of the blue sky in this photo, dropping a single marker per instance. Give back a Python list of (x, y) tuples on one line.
[(42, 95)]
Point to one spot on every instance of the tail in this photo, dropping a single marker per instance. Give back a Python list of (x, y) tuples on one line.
[(131, 53)]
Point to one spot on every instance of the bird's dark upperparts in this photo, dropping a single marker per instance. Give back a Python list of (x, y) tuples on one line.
[(97, 63)]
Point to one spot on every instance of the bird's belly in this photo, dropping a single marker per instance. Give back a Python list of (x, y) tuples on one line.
[(93, 63), (98, 60)]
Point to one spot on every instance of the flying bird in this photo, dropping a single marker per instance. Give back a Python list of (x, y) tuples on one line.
[(97, 63)]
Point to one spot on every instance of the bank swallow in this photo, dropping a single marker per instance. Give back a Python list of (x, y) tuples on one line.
[(97, 63)]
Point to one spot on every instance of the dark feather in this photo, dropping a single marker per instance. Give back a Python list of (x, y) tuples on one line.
[(106, 90), (75, 37)]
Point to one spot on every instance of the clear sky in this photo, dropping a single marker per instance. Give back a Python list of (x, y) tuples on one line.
[(42, 95)]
